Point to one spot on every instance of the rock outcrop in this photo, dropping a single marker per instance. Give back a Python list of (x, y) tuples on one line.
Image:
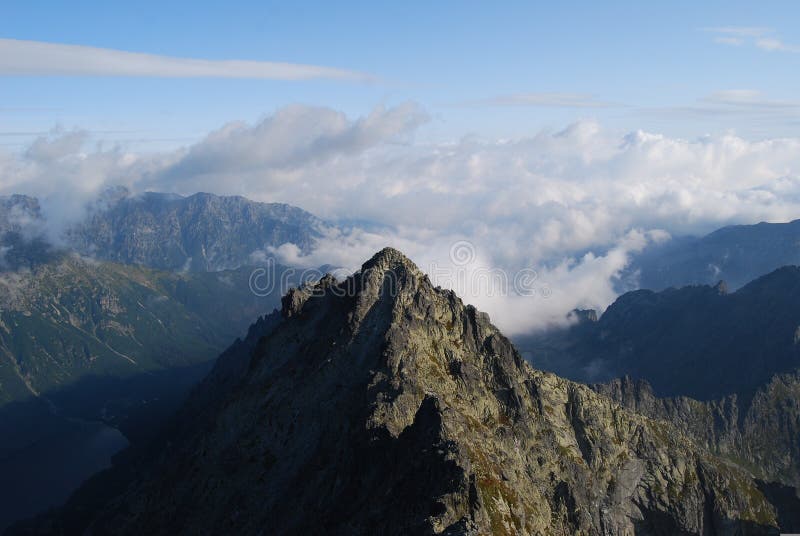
[(761, 432)]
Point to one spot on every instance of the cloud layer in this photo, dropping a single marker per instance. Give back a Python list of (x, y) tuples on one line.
[(569, 205), (19, 57)]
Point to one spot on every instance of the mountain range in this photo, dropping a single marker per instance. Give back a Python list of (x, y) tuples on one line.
[(201, 232), (736, 254), (113, 321), (383, 405), (143, 283), (382, 390), (699, 341)]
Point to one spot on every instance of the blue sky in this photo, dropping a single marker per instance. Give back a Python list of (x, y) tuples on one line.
[(663, 67)]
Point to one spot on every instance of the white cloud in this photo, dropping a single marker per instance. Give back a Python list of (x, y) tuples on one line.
[(569, 204), (18, 57), (735, 96), (749, 98), (294, 137)]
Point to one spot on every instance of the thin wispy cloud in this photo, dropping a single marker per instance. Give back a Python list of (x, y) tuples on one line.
[(740, 31), (546, 100), (18, 133), (15, 109), (36, 58), (733, 106), (760, 37), (733, 41), (748, 98)]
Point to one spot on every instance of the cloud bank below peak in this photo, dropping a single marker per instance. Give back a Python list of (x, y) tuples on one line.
[(37, 58), (571, 205)]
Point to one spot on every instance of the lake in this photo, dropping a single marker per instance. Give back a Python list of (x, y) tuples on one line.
[(44, 474)]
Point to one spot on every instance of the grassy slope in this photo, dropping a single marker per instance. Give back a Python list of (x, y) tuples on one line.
[(71, 319)]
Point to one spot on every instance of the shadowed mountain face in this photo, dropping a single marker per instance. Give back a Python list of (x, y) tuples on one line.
[(84, 341), (75, 318), (736, 254), (382, 405), (101, 342), (698, 341)]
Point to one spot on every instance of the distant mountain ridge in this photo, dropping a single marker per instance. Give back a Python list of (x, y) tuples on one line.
[(736, 254), (698, 341), (202, 232)]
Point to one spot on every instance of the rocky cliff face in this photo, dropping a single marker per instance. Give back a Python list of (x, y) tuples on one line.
[(383, 405), (761, 432)]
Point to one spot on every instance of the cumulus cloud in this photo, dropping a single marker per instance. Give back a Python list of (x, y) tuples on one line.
[(559, 212), (295, 137), (20, 57)]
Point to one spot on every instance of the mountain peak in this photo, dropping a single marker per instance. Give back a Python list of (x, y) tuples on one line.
[(388, 259), (381, 404), (386, 276)]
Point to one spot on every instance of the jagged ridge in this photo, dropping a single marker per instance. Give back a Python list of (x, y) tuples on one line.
[(381, 405)]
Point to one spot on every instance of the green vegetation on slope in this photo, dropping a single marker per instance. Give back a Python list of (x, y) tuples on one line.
[(75, 318)]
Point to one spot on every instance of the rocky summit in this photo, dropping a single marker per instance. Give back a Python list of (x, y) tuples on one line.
[(383, 405)]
